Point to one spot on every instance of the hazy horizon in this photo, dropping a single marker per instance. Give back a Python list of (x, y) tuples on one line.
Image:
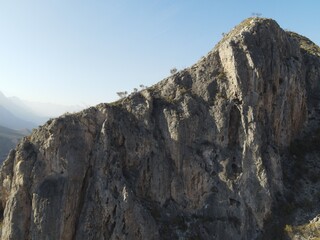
[(44, 110)]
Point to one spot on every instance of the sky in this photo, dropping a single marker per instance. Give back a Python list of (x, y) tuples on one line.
[(81, 52)]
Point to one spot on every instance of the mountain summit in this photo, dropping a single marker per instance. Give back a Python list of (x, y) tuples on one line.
[(221, 150)]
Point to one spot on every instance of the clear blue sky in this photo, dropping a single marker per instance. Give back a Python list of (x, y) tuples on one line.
[(83, 52)]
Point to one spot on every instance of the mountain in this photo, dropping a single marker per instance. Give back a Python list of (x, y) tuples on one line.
[(8, 119), (18, 114), (50, 110), (9, 139), (44, 111), (225, 149)]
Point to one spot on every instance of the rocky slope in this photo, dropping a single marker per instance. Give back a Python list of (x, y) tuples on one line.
[(208, 153)]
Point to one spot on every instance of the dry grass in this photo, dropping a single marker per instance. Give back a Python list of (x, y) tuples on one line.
[(306, 44)]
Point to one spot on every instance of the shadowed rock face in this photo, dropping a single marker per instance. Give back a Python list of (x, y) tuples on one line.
[(197, 156)]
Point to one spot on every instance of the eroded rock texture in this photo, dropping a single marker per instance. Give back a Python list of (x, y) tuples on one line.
[(197, 156)]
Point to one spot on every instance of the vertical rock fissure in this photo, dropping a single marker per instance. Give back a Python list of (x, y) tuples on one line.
[(82, 195), (234, 125)]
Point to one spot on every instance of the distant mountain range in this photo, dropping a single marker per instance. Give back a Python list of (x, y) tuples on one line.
[(17, 114), (8, 119), (9, 139), (19, 117)]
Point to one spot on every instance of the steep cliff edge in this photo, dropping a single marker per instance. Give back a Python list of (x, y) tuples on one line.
[(207, 153)]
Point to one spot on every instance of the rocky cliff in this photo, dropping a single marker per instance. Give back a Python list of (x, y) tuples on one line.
[(212, 152)]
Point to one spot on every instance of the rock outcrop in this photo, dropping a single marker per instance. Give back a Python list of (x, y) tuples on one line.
[(205, 154)]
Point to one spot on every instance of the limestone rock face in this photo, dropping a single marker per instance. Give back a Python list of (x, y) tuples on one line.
[(197, 156)]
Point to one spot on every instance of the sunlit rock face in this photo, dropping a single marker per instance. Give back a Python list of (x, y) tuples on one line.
[(200, 155)]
